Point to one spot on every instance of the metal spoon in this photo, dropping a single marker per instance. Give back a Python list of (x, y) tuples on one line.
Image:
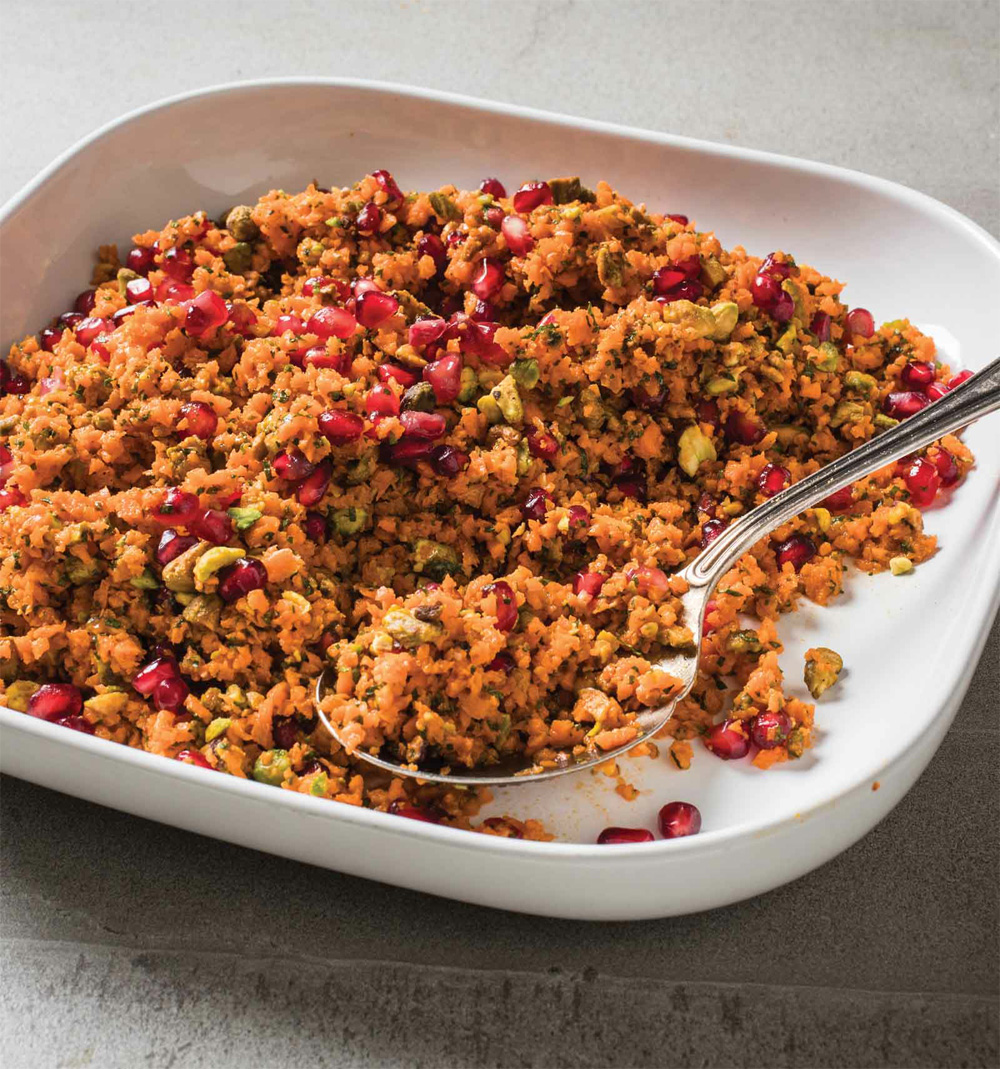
[(974, 398)]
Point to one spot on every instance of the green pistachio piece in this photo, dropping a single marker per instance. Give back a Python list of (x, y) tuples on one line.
[(178, 575), (146, 581), (884, 422), (244, 518), (727, 315), (239, 223), (407, 630), (360, 471), (525, 373), (793, 291), (694, 447), (219, 726), (489, 408), (318, 785), (349, 521), (712, 273), (823, 666), (829, 357), (125, 276), (523, 457), (111, 703), (786, 343), (419, 398), (239, 258), (271, 767), (212, 561), (593, 413), (444, 207), (508, 400), (80, 572), (744, 642), (720, 385), (610, 266), (860, 382), (847, 412), (435, 560), (567, 190), (204, 610), (468, 386), (235, 696), (19, 694), (900, 565)]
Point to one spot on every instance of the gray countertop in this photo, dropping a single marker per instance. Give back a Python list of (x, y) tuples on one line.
[(125, 943)]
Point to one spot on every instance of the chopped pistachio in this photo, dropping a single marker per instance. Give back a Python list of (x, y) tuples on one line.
[(525, 373), (523, 457), (79, 572), (271, 767), (786, 343), (239, 258), (359, 471), (349, 521), (112, 703), (859, 381), (178, 575), (444, 207), (213, 560), (185, 597), (610, 266), (567, 190), (829, 359), (203, 610), (744, 642), (235, 696), (847, 412), (489, 408), (884, 422), (244, 518), (318, 785), (727, 315), (125, 276), (146, 581), (407, 630), (419, 398), (900, 565), (468, 385), (19, 694), (297, 601), (219, 726), (508, 400), (823, 518), (788, 433), (793, 291), (434, 559), (694, 447), (593, 413), (823, 666), (239, 223), (713, 274), (720, 385)]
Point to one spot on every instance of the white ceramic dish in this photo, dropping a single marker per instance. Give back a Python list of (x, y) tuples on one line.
[(910, 644)]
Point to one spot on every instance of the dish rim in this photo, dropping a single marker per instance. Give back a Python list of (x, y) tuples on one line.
[(985, 595)]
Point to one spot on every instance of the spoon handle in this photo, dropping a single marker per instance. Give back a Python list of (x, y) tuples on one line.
[(974, 398)]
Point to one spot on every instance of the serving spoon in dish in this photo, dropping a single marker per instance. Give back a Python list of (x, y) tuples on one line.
[(967, 402)]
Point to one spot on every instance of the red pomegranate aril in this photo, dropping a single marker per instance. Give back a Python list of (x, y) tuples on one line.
[(506, 604), (678, 218), (797, 550), (765, 291), (374, 307), (706, 626), (6, 463), (320, 356), (339, 427), (381, 401), (494, 187), (431, 245), (742, 430), (820, 326), (773, 479), (388, 185), (314, 486), (177, 263), (923, 481), (193, 757), (364, 284), (488, 278), (54, 700), (445, 377), (679, 819), (138, 289), (241, 578), (428, 425), (407, 451), (172, 544), (140, 260), (213, 525), (860, 321), (293, 466), (11, 499), (326, 286), (707, 411), (332, 322), (70, 320), (447, 460), (153, 673), (962, 376), (503, 662), (177, 506), (415, 812), (75, 723), (48, 338), (536, 504), (649, 582), (542, 445), (588, 583), (170, 292), (517, 235), (170, 694), (85, 301), (666, 278), (457, 237), (425, 331), (936, 391), (619, 836), (289, 321), (688, 290), (728, 741), (369, 219), (783, 308), (840, 500), (710, 531), (397, 373), (775, 268), (315, 527), (768, 730), (532, 195), (900, 404), (648, 401), (478, 339), (205, 313), (285, 730), (947, 467), (201, 419), (918, 374), (122, 314), (631, 487), (579, 520), (101, 351)]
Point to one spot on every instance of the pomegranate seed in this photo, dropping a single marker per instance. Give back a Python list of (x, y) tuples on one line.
[(416, 812), (426, 330), (54, 700), (796, 551), (860, 321), (423, 424), (241, 578), (447, 460), (503, 662), (768, 730), (285, 730), (775, 268), (840, 500), (75, 723), (232, 498), (820, 326), (765, 291), (445, 377), (369, 219), (631, 487), (85, 301), (172, 544), (396, 373), (6, 463), (407, 451), (579, 517), (293, 466), (536, 504), (678, 218), (588, 583), (517, 235), (339, 427), (313, 487), (617, 836), (205, 313), (388, 185), (153, 673), (11, 499), (649, 582), (784, 308), (494, 187), (741, 429), (706, 627), (318, 356), (707, 411), (678, 819), (291, 322), (648, 402), (918, 374), (193, 757), (213, 526), (690, 266), (381, 401), (364, 284), (326, 286), (171, 694), (488, 278), (506, 604), (532, 195), (666, 278), (201, 419), (70, 320), (329, 322), (315, 527), (923, 481), (904, 403), (122, 314), (686, 291), (431, 245), (727, 740), (478, 339), (773, 479), (962, 376), (178, 265), (542, 445), (947, 467), (48, 338), (101, 351), (174, 292), (710, 531), (374, 308), (936, 391), (457, 237), (140, 260), (138, 290), (177, 506)]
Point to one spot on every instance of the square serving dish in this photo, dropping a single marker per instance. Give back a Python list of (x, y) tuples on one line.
[(877, 730)]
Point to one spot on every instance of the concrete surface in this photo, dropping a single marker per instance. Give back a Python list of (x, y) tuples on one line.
[(129, 944)]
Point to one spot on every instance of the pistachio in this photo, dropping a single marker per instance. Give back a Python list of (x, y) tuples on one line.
[(407, 630), (178, 575), (19, 694), (610, 265), (244, 518), (419, 398), (185, 597), (716, 387), (693, 317), (860, 382), (694, 447), (786, 343), (712, 273), (508, 400), (567, 190), (788, 433), (359, 471), (823, 666), (319, 785), (271, 767), (593, 413), (125, 276), (744, 642), (146, 581), (793, 291), (111, 704), (203, 610), (884, 422), (80, 572), (727, 315), (235, 696), (239, 258), (847, 412), (349, 521), (219, 726), (829, 357), (525, 373), (489, 408), (900, 565), (239, 223), (297, 601), (523, 457), (435, 560), (213, 560), (468, 385), (444, 207), (823, 518)]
